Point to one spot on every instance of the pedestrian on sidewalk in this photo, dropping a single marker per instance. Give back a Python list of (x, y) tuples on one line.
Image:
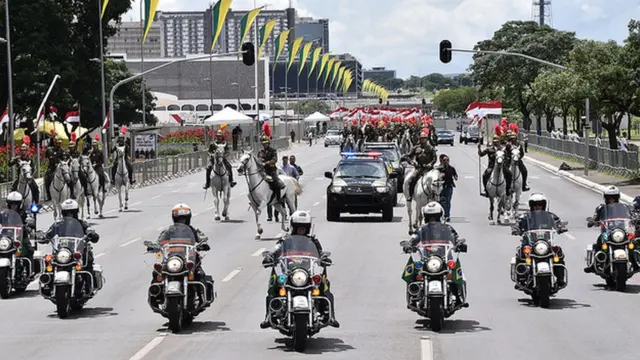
[(449, 178)]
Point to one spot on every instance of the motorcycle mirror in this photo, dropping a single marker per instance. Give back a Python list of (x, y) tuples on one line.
[(564, 223), (462, 241), (326, 253), (462, 248), (148, 243), (405, 243), (265, 253), (589, 219)]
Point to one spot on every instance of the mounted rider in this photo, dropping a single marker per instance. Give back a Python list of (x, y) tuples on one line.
[(24, 156), (269, 158), (75, 154), (514, 143), (490, 152), (127, 158), (96, 156), (220, 141), (424, 157), (54, 154)]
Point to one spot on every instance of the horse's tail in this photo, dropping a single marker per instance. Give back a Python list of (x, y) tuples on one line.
[(296, 187)]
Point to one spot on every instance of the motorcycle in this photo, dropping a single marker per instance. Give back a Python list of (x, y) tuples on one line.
[(435, 291), (66, 280), (618, 258), (16, 271), (299, 308), (175, 293), (538, 268)]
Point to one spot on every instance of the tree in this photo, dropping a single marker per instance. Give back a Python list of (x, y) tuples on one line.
[(455, 101), (562, 90), (388, 83), (308, 107)]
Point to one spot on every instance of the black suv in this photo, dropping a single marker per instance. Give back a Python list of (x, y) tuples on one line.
[(390, 151), (360, 184)]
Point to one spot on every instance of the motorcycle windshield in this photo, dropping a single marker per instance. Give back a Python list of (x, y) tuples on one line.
[(540, 220), (178, 240), (436, 239), (298, 251), (615, 216), (12, 224)]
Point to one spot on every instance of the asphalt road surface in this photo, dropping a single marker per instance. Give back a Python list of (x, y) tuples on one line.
[(585, 321)]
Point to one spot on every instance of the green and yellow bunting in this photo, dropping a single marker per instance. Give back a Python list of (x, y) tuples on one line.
[(264, 34), (365, 85), (219, 15), (150, 7), (409, 273), (281, 41), (347, 81), (328, 72), (340, 78), (334, 71), (304, 55), (323, 64), (314, 60), (104, 8), (247, 21), (272, 283), (293, 51)]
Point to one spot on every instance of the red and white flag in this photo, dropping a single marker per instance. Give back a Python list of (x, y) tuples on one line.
[(4, 120), (40, 119), (105, 124), (482, 109), (72, 117)]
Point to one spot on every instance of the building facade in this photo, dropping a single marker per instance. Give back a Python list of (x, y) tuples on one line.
[(183, 32), (316, 30), (128, 39), (379, 72)]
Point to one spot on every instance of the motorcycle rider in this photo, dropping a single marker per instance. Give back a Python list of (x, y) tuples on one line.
[(433, 213), (75, 154), (54, 155), (301, 225), (490, 152), (24, 156), (127, 159), (269, 158), (424, 157), (14, 203), (220, 141), (96, 156), (515, 144)]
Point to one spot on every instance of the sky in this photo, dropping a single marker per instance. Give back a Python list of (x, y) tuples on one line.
[(404, 34)]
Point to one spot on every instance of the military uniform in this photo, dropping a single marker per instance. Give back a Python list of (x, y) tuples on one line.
[(127, 159), (425, 156), (35, 190), (54, 155), (96, 156), (515, 144), (490, 152), (220, 141), (75, 154), (269, 158)]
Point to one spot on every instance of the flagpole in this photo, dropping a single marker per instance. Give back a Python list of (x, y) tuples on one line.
[(317, 71), (105, 141), (11, 126), (37, 130), (257, 90), (144, 107), (297, 80), (305, 62)]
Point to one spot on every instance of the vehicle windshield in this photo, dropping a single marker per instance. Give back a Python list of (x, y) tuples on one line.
[(11, 223), (178, 240), (444, 132), (614, 211), (333, 133), (361, 169), (389, 153), (70, 234), (298, 251), (436, 239)]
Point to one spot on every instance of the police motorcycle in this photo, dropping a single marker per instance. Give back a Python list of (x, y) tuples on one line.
[(618, 258), (433, 291), (538, 268), (298, 278), (16, 270), (180, 290), (66, 280)]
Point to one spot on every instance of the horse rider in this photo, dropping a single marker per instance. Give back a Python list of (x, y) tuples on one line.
[(220, 141), (54, 155), (513, 143), (269, 158), (127, 159), (424, 156), (24, 156), (490, 152), (75, 154), (96, 156)]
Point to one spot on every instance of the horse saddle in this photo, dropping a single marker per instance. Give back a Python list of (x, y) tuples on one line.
[(275, 184)]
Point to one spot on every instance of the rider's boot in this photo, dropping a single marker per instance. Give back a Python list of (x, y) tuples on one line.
[(130, 170), (590, 269), (14, 186), (230, 172), (207, 183), (265, 324), (525, 174)]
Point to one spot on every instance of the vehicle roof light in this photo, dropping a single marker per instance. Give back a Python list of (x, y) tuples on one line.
[(357, 154)]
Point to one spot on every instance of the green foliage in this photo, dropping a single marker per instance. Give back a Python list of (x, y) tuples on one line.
[(172, 151), (388, 83), (435, 81), (455, 101), (308, 107)]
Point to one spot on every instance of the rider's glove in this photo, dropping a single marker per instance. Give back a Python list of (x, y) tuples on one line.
[(267, 261), (407, 249), (30, 222), (204, 247)]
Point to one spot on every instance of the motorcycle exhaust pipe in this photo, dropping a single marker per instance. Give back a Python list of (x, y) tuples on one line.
[(522, 269), (414, 289), (45, 279), (154, 290), (276, 305), (600, 256)]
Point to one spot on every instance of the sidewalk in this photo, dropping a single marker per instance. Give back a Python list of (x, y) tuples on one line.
[(595, 180)]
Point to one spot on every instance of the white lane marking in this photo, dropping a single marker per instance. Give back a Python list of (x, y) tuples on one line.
[(170, 185), (195, 214), (130, 242), (147, 348), (426, 348), (468, 177), (555, 177), (155, 197), (232, 275), (324, 197), (191, 185), (136, 203), (319, 178), (244, 193), (176, 191), (316, 203), (100, 255), (534, 177), (109, 211), (160, 228), (570, 237), (211, 207), (259, 252)]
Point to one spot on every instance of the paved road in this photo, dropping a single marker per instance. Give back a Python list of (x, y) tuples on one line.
[(585, 322)]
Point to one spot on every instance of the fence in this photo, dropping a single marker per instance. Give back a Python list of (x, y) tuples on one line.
[(149, 172), (622, 163)]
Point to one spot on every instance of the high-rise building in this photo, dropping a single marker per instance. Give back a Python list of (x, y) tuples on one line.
[(183, 32), (127, 40), (378, 72), (316, 30), (232, 29)]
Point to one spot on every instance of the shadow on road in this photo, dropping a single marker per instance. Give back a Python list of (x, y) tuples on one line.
[(630, 289), (24, 295), (315, 345), (88, 313), (363, 219), (556, 304), (232, 221), (453, 326), (198, 327)]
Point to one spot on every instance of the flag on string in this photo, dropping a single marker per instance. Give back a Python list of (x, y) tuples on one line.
[(314, 60), (323, 64), (247, 21), (264, 34), (150, 7), (281, 41), (304, 55), (104, 7), (293, 51), (218, 16)]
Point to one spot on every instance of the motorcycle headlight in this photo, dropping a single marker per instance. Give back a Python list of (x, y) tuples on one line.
[(434, 264), (617, 235), (174, 264), (5, 244), (299, 278), (541, 248), (63, 256)]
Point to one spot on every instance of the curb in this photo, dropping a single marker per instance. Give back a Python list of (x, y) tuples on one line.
[(578, 180)]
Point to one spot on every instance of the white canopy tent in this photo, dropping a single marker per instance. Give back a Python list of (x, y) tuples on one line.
[(228, 116), (316, 116)]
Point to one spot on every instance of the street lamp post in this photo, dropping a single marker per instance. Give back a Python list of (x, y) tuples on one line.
[(286, 107), (9, 84), (237, 95), (103, 99)]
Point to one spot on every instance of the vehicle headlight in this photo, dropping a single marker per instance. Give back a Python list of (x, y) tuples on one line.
[(299, 278), (617, 236), (174, 264), (541, 248), (382, 189), (434, 264), (63, 256), (337, 188), (5, 244)]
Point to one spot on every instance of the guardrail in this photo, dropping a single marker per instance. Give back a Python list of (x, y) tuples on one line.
[(618, 162), (150, 172)]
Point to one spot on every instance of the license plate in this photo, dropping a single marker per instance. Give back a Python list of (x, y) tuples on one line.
[(435, 287), (543, 267), (620, 254), (300, 302)]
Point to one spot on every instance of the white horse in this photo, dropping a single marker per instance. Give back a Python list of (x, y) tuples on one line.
[(260, 193), (497, 187), (93, 187), (121, 180), (405, 142), (516, 183), (426, 189), (74, 168), (220, 185), (25, 178), (58, 189)]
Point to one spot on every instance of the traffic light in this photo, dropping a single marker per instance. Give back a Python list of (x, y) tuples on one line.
[(379, 100), (248, 55), (445, 51)]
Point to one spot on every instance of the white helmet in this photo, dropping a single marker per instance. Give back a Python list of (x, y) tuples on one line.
[(537, 198), (432, 208), (14, 196), (181, 211), (300, 218), (69, 205), (611, 190)]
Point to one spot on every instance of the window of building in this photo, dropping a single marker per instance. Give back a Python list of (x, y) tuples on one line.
[(173, 108), (188, 107), (216, 107), (233, 106), (246, 106), (160, 108), (202, 107)]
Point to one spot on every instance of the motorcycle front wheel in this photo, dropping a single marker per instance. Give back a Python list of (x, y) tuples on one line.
[(174, 309), (300, 332), (63, 301), (5, 282)]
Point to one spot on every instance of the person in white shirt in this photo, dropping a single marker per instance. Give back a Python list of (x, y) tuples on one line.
[(624, 143)]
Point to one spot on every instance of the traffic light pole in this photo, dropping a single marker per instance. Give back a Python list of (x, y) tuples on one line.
[(511, 54)]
